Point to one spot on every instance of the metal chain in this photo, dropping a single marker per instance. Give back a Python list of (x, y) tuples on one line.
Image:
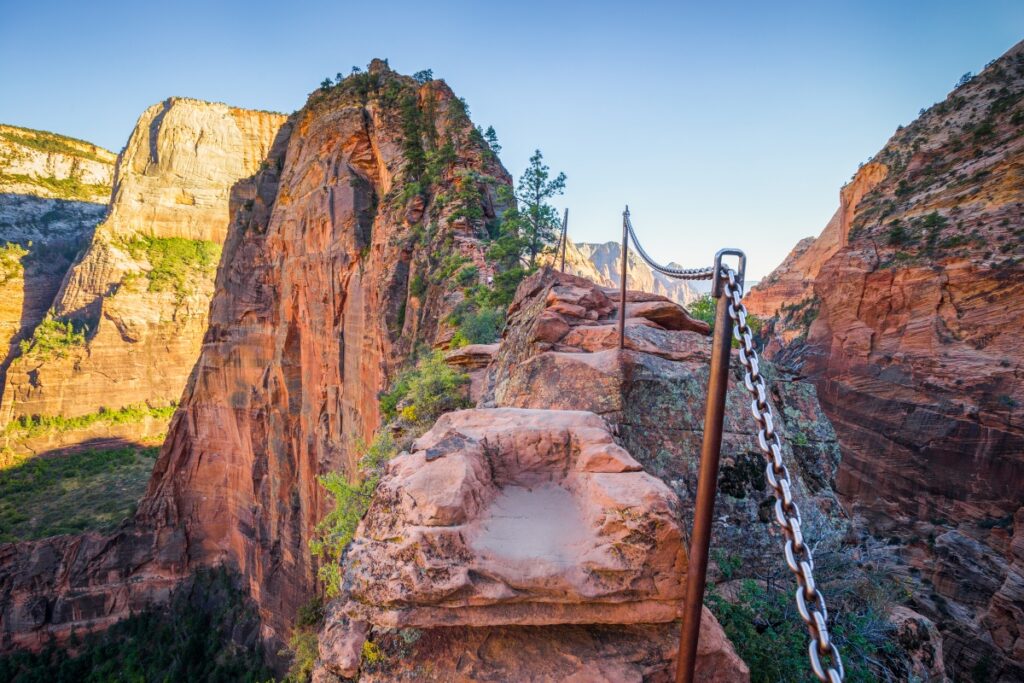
[(809, 600), (677, 273)]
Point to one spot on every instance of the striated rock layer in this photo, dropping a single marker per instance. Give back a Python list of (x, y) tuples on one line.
[(53, 192), (911, 314), (142, 288)]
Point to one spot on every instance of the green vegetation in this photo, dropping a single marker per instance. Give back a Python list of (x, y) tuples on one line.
[(769, 635), (526, 230), (418, 397), (303, 645), (703, 308), (11, 266), (897, 234), (755, 606), (93, 490), (62, 188), (351, 501), (27, 427), (53, 338), (190, 639), (479, 327), (421, 394), (175, 263), (45, 141)]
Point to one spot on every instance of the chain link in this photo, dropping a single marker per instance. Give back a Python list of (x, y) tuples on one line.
[(677, 273), (809, 600)]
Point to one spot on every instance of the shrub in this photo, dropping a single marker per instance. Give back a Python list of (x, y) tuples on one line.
[(468, 275), (703, 308), (897, 234), (94, 490), (175, 262), (303, 646), (52, 338), (35, 425), (418, 286), (479, 327), (351, 501), (426, 391), (11, 255)]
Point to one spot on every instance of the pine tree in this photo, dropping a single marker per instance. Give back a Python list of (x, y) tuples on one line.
[(538, 223)]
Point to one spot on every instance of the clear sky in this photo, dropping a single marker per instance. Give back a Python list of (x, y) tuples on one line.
[(719, 123)]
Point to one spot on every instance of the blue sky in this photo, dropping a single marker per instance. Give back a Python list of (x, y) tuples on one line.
[(719, 123)]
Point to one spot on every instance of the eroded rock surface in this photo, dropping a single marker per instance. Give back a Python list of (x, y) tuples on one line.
[(520, 517), (514, 535), (906, 315)]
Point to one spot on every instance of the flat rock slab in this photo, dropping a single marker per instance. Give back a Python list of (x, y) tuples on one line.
[(517, 517)]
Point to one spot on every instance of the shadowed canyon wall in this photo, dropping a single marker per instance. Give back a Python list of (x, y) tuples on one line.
[(906, 313), (53, 192)]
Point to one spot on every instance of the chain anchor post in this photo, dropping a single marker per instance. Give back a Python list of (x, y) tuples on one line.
[(622, 278), (565, 235), (707, 478)]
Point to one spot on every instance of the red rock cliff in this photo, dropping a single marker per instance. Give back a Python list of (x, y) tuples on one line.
[(913, 339), (313, 309)]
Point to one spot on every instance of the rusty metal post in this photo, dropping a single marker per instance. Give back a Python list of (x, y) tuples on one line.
[(707, 483), (565, 235), (622, 284)]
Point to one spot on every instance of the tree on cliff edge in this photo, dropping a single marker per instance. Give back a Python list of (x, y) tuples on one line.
[(535, 222)]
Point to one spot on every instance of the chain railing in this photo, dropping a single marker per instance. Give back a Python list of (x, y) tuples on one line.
[(825, 660), (809, 600)]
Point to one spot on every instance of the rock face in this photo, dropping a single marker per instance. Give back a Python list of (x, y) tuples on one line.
[(521, 517), (504, 519), (53, 192), (559, 356), (602, 263), (142, 288), (313, 311), (911, 310)]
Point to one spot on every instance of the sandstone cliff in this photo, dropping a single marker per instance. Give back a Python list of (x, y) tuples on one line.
[(53, 191), (315, 307), (911, 303), (141, 291)]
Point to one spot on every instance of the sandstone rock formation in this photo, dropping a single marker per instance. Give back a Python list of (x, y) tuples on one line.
[(911, 303), (142, 288), (522, 517), (559, 355), (53, 191), (502, 519)]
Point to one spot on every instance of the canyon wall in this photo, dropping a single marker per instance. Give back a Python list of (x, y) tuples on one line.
[(906, 315), (314, 308), (53, 192), (140, 292)]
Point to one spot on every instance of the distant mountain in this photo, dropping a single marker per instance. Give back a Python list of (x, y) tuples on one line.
[(602, 263)]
